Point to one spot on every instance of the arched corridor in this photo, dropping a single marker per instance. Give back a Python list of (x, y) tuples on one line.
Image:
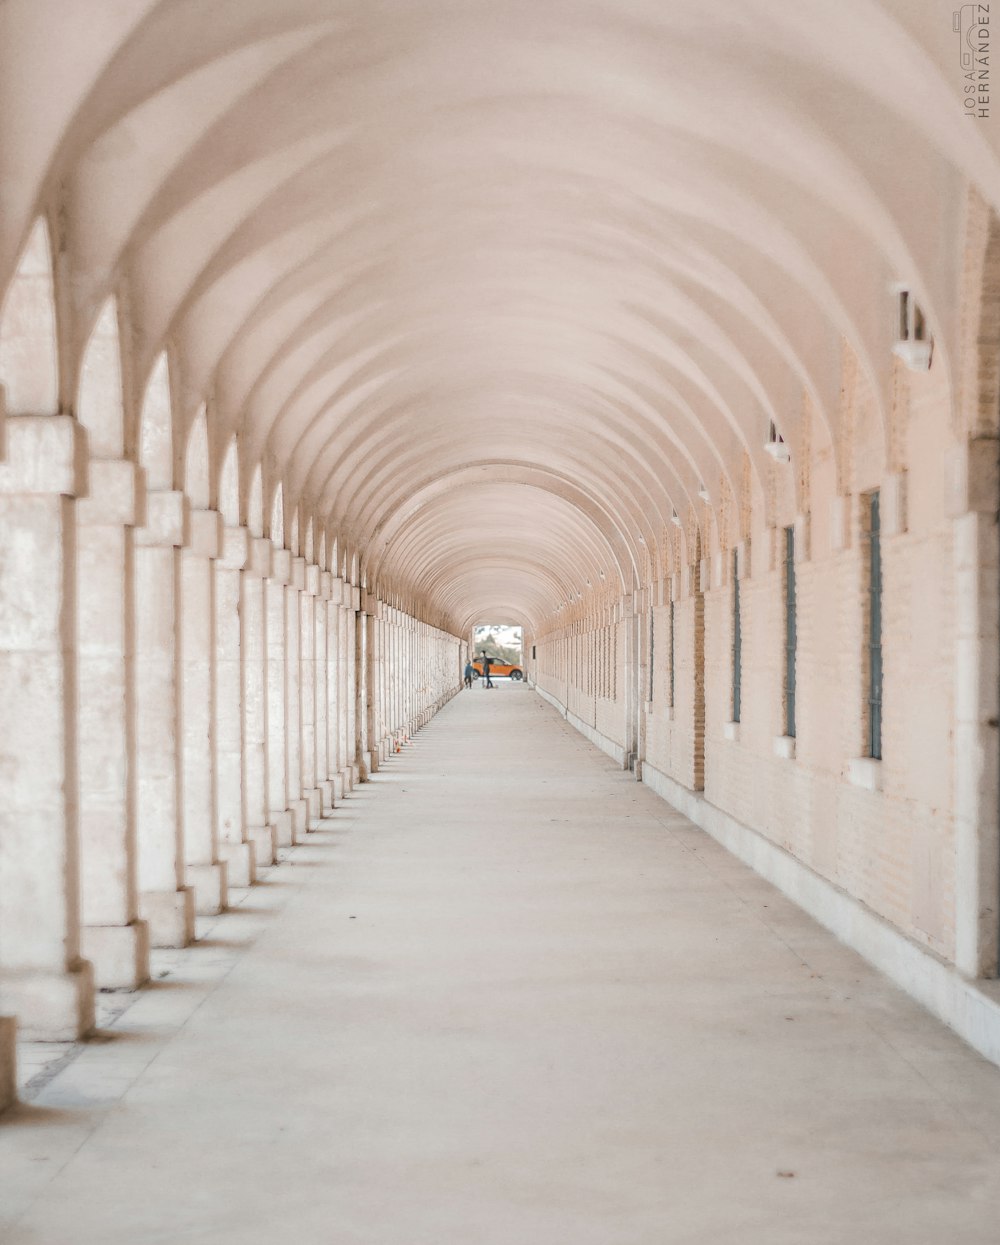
[(510, 995), (331, 330)]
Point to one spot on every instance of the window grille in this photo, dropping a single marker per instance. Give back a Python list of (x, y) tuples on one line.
[(874, 628), (652, 650), (790, 632), (672, 653)]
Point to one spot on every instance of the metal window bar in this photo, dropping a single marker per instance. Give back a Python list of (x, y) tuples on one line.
[(652, 651), (672, 652), (737, 643), (874, 629), (790, 632)]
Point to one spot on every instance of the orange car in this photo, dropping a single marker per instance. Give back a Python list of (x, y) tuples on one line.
[(498, 668)]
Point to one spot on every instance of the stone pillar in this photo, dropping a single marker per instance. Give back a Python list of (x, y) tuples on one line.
[(44, 981), (323, 762), (973, 498), (253, 660), (335, 725), (346, 676), (236, 850), (385, 665), (165, 902), (114, 939), (204, 870), (372, 682), (307, 696), (361, 688), (277, 705), (297, 804)]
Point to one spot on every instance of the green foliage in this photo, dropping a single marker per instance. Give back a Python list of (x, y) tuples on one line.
[(508, 655)]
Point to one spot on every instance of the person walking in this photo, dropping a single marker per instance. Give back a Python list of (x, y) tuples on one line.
[(487, 662), (470, 672)]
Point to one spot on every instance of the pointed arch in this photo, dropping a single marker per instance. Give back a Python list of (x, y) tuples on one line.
[(29, 354), (197, 474), (255, 503), (100, 406), (156, 432), (229, 486), (278, 517)]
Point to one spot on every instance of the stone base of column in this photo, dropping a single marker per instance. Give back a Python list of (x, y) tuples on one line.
[(385, 749), (8, 1062), (241, 863), (338, 787), (283, 827), (314, 799), (356, 774), (211, 893), (265, 846), (348, 777), (299, 810), (51, 1007), (374, 761), (119, 954), (169, 915), (325, 790)]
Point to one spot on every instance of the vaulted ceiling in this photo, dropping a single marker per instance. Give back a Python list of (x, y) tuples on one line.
[(492, 288)]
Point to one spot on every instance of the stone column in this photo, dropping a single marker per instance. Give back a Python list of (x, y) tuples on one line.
[(297, 804), (307, 696), (335, 726), (114, 939), (372, 681), (277, 705), (253, 663), (346, 675), (361, 689), (385, 673), (44, 981), (323, 761), (236, 850), (204, 870), (973, 497), (165, 902)]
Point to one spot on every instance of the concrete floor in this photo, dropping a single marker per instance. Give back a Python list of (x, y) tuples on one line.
[(505, 996)]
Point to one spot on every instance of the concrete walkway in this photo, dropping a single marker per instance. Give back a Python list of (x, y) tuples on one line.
[(506, 997)]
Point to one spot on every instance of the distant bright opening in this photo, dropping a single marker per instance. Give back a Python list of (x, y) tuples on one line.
[(502, 645)]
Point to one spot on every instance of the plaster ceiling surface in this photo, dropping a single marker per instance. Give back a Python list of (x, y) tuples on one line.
[(492, 290)]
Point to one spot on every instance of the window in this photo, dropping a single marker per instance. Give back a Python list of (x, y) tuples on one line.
[(790, 632), (533, 653), (737, 641), (874, 628), (672, 650), (652, 650)]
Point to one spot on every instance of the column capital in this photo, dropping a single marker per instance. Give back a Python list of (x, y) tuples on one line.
[(46, 454), (281, 565), (298, 579), (234, 552), (117, 494), (205, 533), (312, 580), (324, 585), (336, 590), (166, 518), (258, 563)]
